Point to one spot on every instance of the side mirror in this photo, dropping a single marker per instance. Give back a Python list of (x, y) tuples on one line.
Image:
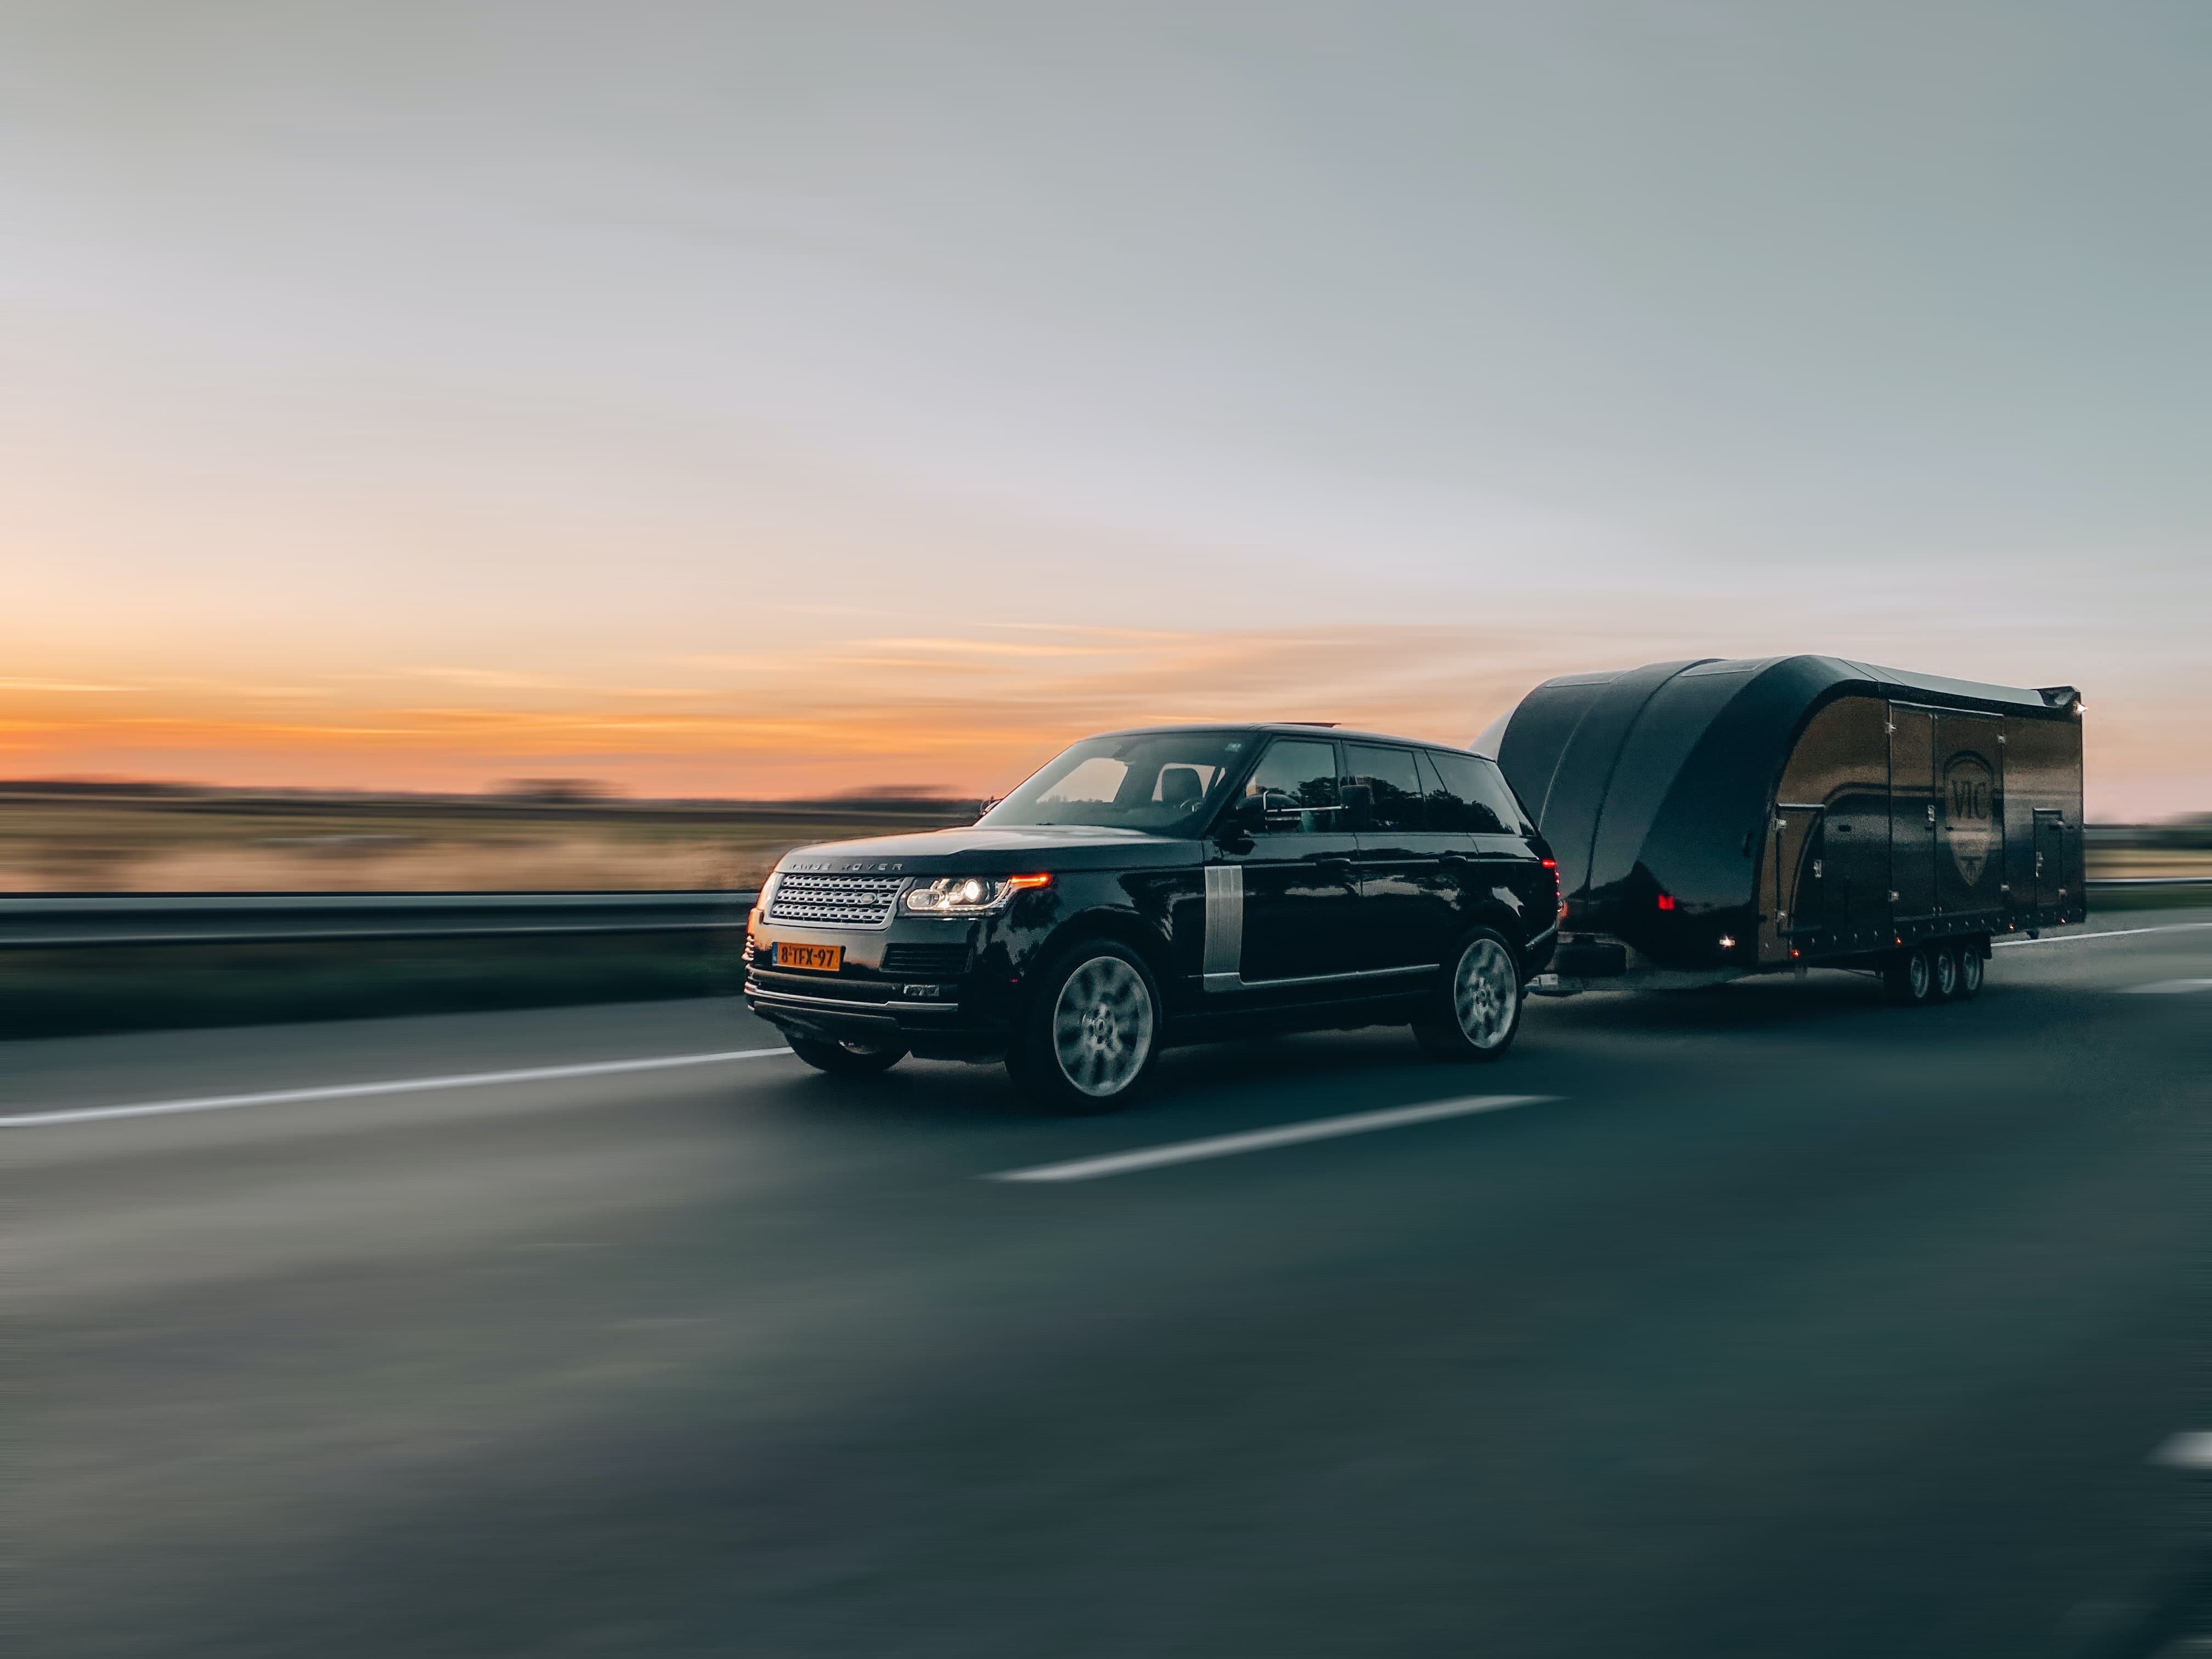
[(1249, 816), (1359, 804)]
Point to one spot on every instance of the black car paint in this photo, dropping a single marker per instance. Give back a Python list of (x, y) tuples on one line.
[(1311, 901)]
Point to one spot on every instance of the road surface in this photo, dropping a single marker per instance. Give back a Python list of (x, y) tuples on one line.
[(1761, 1321)]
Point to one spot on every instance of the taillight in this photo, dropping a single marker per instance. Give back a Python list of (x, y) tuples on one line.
[(1666, 900)]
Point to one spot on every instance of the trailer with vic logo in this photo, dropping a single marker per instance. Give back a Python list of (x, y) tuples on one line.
[(1716, 818)]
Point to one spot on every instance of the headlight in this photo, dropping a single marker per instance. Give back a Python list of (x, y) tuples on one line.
[(969, 895)]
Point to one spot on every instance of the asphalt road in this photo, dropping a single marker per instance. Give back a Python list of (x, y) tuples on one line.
[(1782, 1323)]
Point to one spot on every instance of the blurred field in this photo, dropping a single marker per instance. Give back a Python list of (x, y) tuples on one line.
[(125, 839)]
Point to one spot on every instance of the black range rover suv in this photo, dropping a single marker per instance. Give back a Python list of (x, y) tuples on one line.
[(1174, 885)]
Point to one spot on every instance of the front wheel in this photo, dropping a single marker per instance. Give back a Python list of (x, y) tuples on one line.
[(1909, 976), (846, 1059), (1092, 1031), (1476, 1007)]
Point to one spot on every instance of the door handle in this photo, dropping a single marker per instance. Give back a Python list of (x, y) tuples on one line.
[(1335, 863)]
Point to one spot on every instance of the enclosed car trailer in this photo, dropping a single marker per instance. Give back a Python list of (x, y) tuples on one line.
[(1717, 818)]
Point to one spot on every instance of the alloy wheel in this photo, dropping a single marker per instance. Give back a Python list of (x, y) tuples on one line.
[(1485, 993), (1102, 1026)]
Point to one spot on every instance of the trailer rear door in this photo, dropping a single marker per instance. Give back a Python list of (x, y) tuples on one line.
[(1794, 903), (1911, 811), (2050, 859)]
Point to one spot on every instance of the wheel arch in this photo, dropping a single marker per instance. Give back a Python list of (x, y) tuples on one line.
[(1500, 918), (1123, 927)]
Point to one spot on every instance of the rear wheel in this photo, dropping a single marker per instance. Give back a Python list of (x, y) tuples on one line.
[(1908, 976), (1476, 1007), (846, 1059), (1092, 1032), (1970, 964), (1945, 963)]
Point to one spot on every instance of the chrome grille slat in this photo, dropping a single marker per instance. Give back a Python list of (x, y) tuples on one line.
[(833, 900)]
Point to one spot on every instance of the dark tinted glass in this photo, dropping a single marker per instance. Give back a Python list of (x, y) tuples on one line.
[(1471, 791), (1391, 774), (1298, 779), (1164, 781), (1498, 796)]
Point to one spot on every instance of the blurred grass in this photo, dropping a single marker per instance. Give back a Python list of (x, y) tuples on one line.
[(149, 839)]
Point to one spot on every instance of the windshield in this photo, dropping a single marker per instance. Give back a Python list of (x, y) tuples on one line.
[(1165, 781)]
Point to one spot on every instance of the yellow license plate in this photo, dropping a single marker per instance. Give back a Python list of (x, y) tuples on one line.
[(814, 958)]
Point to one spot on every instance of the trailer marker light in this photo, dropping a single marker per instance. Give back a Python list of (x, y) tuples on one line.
[(1666, 900)]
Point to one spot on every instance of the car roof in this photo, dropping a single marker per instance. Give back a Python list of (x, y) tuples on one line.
[(1288, 729)]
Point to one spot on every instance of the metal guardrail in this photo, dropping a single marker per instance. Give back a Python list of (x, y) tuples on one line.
[(70, 920)]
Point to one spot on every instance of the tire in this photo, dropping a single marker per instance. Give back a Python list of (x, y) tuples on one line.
[(846, 1059), (1909, 977), (1945, 963), (1475, 1004), (1087, 1039), (1971, 966)]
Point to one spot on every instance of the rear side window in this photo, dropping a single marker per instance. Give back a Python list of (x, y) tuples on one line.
[(1392, 780), (1297, 779), (1473, 792)]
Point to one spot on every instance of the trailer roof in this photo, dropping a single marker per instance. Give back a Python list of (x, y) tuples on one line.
[(1896, 682)]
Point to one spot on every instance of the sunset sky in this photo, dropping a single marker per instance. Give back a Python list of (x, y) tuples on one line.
[(717, 400)]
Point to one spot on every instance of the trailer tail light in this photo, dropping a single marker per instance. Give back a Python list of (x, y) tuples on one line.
[(1666, 900)]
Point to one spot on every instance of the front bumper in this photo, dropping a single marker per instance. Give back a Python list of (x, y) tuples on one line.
[(938, 989)]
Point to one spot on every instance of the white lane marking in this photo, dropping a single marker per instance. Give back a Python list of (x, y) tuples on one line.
[(2117, 933), (2169, 986), (406, 1085), (1288, 1134), (2185, 1452)]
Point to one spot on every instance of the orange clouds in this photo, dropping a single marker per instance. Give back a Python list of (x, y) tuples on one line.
[(967, 712), (960, 713)]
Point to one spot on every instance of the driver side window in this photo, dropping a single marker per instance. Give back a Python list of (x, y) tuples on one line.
[(1297, 779)]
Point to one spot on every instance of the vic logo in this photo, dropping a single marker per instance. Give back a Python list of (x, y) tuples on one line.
[(1970, 814)]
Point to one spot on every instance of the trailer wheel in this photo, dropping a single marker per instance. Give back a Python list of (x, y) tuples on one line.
[(1972, 960), (1944, 960), (1908, 976)]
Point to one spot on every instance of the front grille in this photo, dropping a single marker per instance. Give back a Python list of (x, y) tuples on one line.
[(927, 961), (828, 901)]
